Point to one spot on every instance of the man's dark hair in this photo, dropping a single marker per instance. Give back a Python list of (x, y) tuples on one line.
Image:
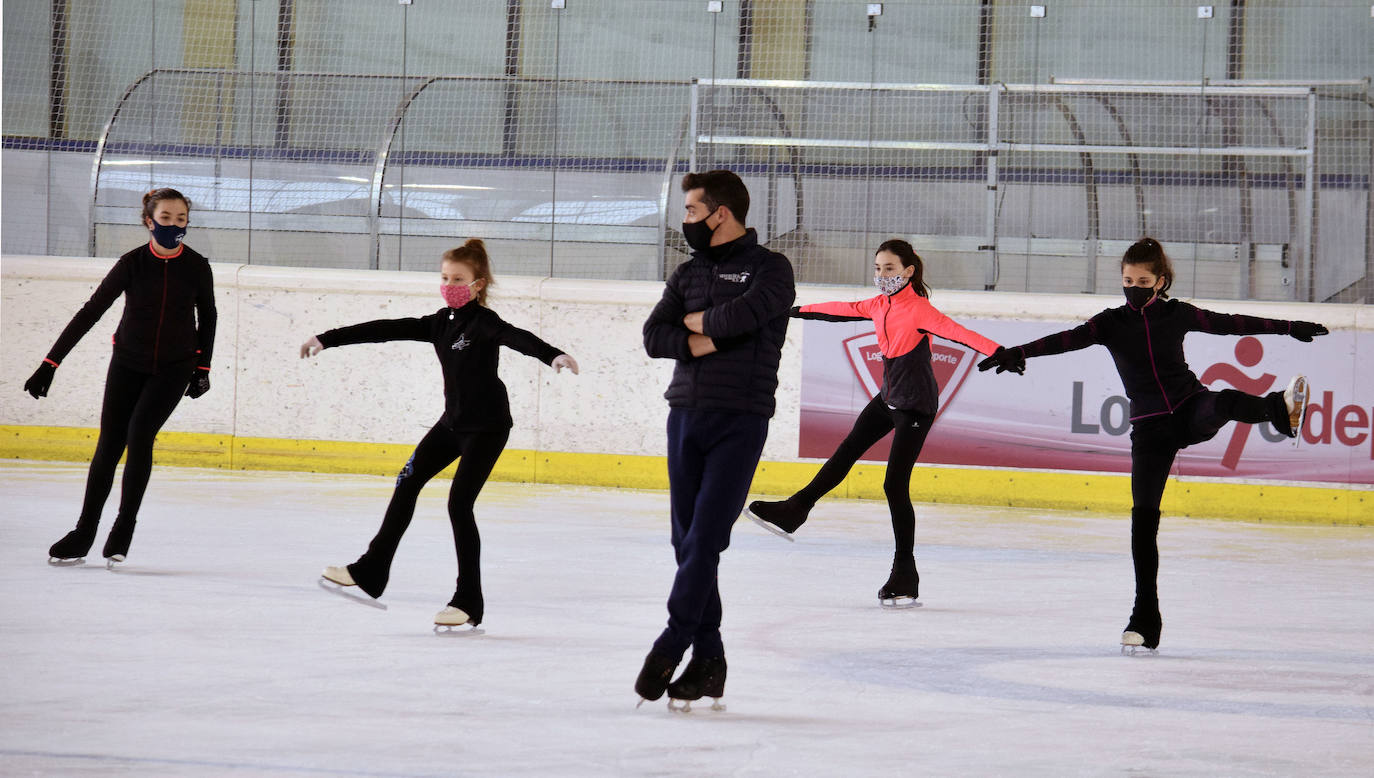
[(720, 187)]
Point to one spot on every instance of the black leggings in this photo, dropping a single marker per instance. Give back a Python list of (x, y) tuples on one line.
[(874, 422), (476, 453), (1155, 441), (136, 406)]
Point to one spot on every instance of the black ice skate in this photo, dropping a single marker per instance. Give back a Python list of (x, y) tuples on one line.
[(903, 586), (337, 580), (73, 547), (1142, 633), (781, 518), (701, 678), (117, 544), (653, 677), (460, 617)]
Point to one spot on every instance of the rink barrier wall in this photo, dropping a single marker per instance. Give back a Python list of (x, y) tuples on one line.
[(362, 409)]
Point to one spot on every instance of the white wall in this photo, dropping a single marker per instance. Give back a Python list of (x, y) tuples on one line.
[(392, 393)]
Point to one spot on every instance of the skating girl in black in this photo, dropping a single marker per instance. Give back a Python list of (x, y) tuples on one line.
[(905, 405), (1170, 408), (161, 352), (467, 337)]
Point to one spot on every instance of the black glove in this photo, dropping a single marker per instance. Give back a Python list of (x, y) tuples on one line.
[(38, 383), (1305, 331), (200, 384), (1004, 360)]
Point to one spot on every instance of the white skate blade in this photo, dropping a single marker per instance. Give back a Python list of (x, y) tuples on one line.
[(1298, 394), (334, 588), (686, 706), (899, 603), (1133, 644), (786, 535), (458, 630), (55, 562)]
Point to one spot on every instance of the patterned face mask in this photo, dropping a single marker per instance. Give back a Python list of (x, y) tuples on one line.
[(889, 285), (456, 295)]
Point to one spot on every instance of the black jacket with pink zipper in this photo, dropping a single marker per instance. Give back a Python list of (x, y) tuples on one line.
[(169, 311), (1147, 346)]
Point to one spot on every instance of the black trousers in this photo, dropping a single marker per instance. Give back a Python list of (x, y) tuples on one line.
[(135, 407), (909, 430), (476, 453), (711, 461), (1155, 441)]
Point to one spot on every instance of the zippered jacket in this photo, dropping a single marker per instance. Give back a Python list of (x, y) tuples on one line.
[(903, 321), (744, 291), (1147, 346), (467, 341), (169, 311)]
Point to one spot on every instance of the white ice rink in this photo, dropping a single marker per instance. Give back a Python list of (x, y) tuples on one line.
[(213, 652)]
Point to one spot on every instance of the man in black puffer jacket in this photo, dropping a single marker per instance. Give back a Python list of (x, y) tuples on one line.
[(723, 317)]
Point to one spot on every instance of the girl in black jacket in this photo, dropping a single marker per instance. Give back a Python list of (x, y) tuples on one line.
[(473, 429), (1170, 408), (161, 352)]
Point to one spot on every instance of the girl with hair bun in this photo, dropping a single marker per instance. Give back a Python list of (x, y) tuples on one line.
[(467, 337), (162, 353), (1170, 408), (905, 406)]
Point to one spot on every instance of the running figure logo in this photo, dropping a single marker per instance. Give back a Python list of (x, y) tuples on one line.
[(1249, 351), (461, 343)]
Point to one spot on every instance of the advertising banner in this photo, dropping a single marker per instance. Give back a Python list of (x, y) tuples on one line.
[(1069, 411)]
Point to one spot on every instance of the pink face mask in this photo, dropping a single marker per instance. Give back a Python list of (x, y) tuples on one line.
[(456, 295)]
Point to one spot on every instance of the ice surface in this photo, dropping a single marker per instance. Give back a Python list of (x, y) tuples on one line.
[(212, 651)]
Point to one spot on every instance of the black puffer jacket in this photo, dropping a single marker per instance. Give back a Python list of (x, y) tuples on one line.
[(745, 292), (169, 311)]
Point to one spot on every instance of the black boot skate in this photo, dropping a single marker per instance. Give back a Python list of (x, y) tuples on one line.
[(1142, 632), (73, 547), (701, 678), (654, 676), (903, 585), (780, 518), (117, 544)]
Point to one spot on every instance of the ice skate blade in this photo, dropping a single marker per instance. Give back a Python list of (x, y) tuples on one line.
[(785, 535), (333, 588), (686, 706), (58, 562), (112, 562), (899, 603), (1138, 651), (458, 630)]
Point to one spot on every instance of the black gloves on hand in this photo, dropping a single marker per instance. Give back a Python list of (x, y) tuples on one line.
[(1305, 331), (200, 384), (38, 383), (1004, 360)]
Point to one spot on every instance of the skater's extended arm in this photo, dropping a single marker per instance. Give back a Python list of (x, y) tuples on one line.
[(379, 331), (524, 341), (113, 285), (768, 297), (937, 323), (1215, 323), (833, 311)]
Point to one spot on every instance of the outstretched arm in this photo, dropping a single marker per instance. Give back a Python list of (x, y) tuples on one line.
[(1014, 358), (1238, 324), (379, 331)]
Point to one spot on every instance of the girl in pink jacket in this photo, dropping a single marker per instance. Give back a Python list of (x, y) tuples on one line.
[(905, 405)]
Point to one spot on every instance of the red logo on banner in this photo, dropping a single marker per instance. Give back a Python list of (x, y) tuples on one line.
[(951, 364)]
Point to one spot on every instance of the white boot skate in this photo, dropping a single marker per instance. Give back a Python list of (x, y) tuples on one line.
[(454, 621), (1295, 399), (337, 580)]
